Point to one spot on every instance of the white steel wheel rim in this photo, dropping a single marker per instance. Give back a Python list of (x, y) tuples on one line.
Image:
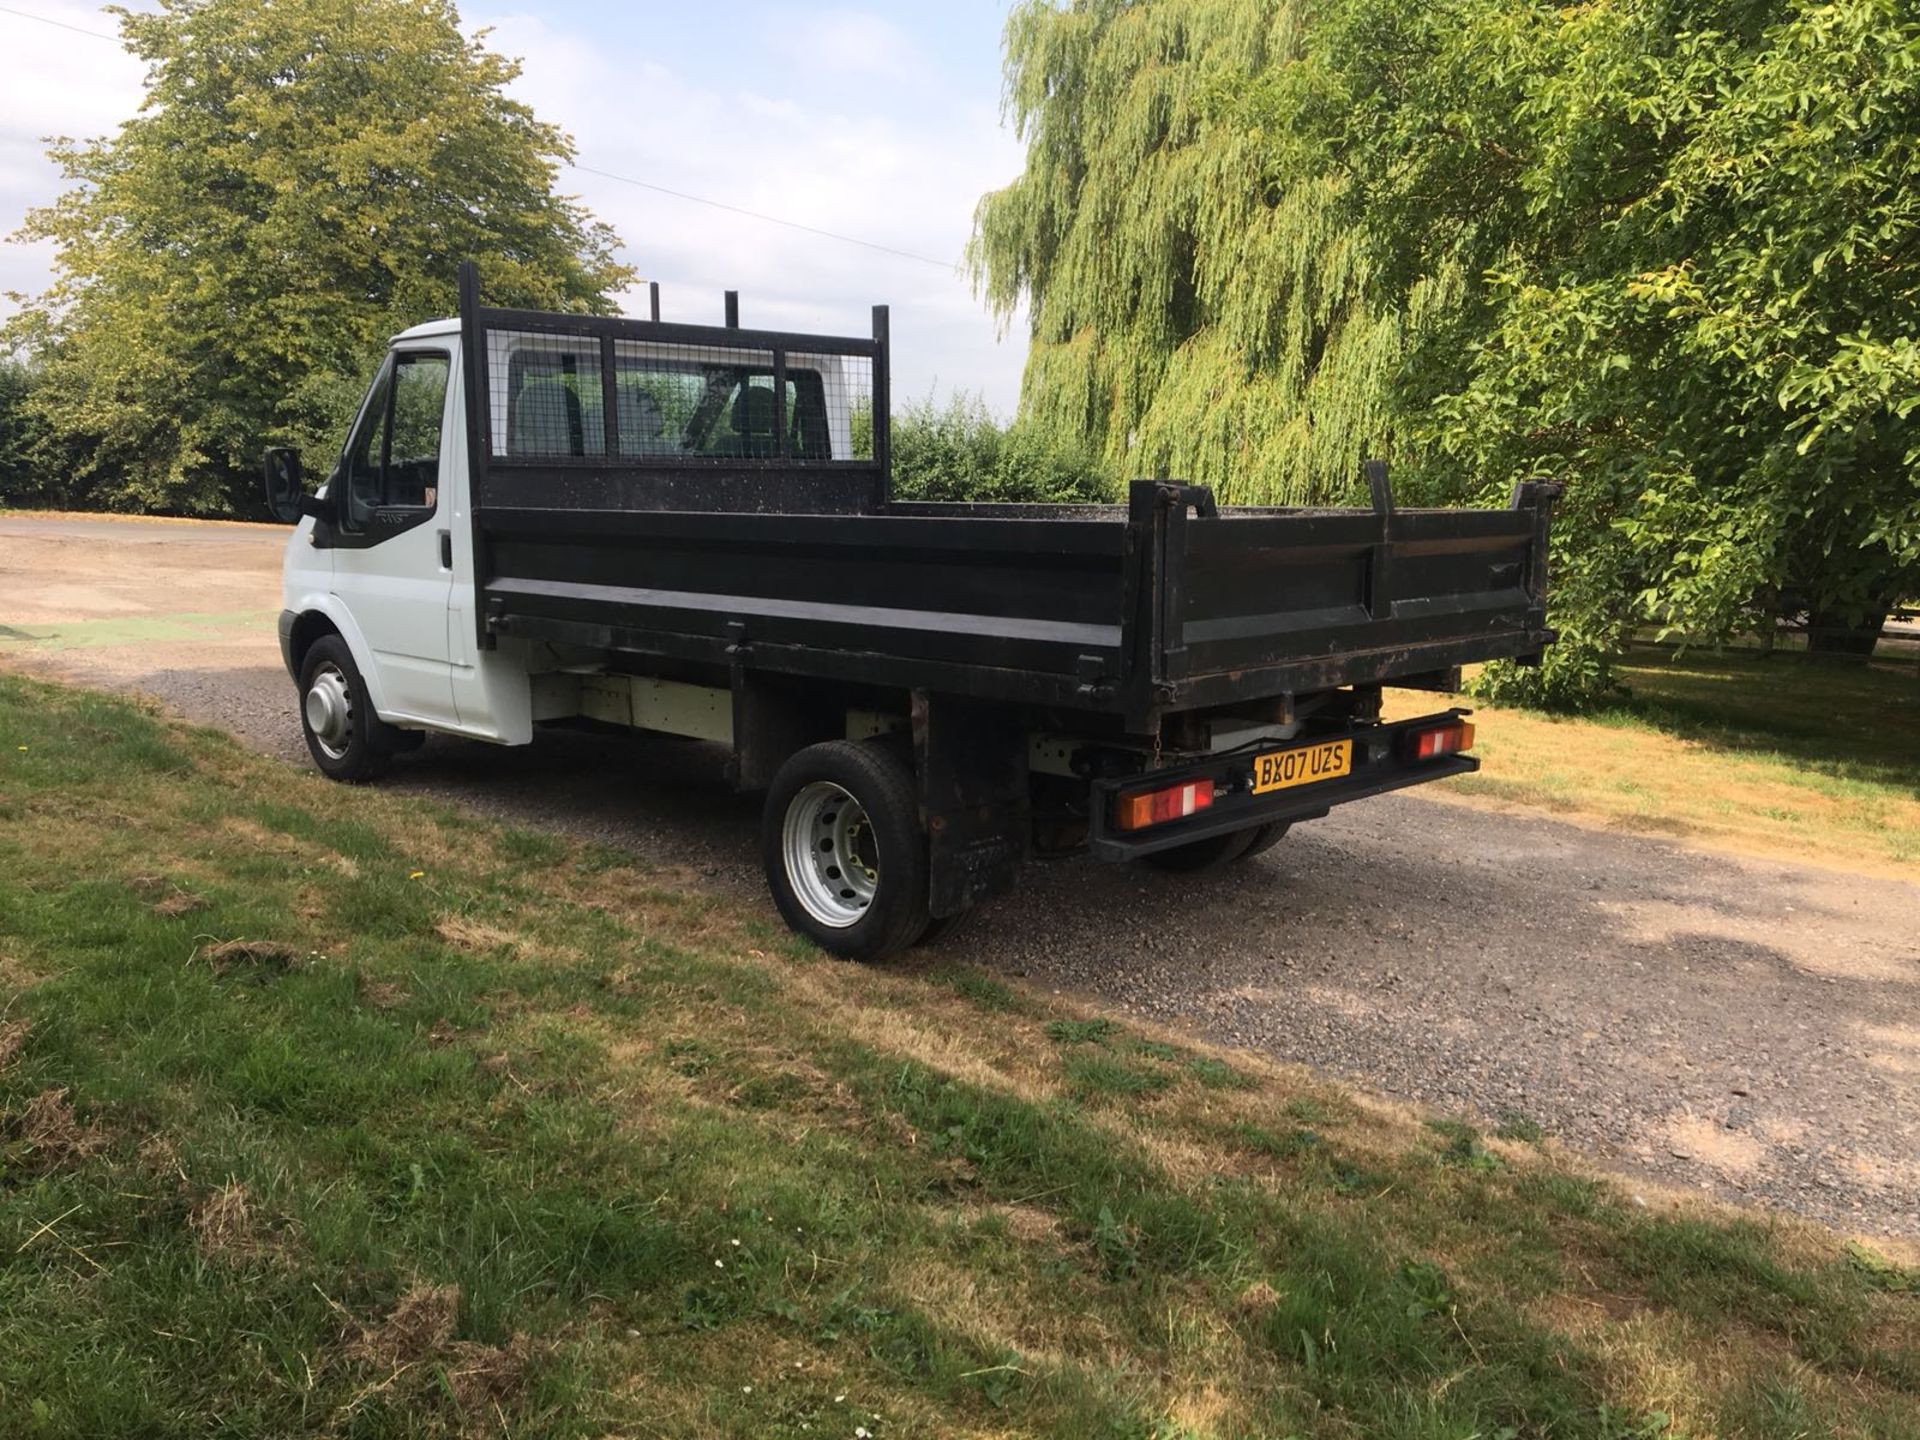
[(831, 853), (329, 711)]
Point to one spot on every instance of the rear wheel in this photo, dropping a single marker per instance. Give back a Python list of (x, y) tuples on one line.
[(845, 857), (1202, 857), (1265, 837), (346, 739)]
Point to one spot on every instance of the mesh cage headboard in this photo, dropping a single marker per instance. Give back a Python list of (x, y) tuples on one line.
[(584, 412)]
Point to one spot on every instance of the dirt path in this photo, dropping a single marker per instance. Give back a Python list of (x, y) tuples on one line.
[(1741, 1026)]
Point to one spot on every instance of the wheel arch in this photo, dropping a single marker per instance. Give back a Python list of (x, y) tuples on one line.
[(319, 615), (308, 626)]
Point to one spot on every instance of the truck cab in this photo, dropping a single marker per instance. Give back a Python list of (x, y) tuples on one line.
[(690, 529), (386, 558)]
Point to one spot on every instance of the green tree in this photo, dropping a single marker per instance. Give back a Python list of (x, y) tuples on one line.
[(302, 180), (1717, 338), (1666, 250)]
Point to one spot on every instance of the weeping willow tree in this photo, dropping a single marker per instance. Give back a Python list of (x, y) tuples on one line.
[(1204, 300), (1667, 251)]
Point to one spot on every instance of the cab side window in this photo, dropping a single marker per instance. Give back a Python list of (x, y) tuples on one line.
[(413, 451), (364, 451), (393, 459)]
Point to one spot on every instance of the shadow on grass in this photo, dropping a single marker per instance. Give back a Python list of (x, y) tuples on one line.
[(1848, 722)]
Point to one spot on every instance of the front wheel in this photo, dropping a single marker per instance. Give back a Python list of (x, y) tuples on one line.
[(844, 853), (346, 739)]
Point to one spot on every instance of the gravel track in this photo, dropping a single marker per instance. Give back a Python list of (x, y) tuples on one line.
[(1734, 1025)]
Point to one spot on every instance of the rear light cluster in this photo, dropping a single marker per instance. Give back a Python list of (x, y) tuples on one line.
[(1155, 807), (1140, 809), (1441, 740)]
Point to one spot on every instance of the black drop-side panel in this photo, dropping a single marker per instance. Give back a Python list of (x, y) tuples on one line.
[(1019, 610), (801, 565)]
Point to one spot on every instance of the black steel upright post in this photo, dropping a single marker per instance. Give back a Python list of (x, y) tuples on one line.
[(1380, 558), (473, 357), (609, 395), (882, 402), (780, 423)]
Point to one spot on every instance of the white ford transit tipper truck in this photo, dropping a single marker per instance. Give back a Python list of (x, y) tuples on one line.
[(688, 529)]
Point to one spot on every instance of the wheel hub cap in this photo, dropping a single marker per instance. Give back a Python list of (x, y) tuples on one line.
[(329, 709), (832, 858)]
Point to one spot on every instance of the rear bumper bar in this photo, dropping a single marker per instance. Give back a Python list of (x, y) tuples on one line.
[(1379, 765)]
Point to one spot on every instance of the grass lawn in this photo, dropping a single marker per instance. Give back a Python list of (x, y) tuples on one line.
[(1780, 756), (328, 1112)]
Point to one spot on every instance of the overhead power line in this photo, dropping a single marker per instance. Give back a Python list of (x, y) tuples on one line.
[(762, 216), (947, 265), (59, 24)]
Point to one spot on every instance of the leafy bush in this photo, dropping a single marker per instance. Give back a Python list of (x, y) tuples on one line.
[(1593, 608), (22, 475), (959, 452), (13, 428)]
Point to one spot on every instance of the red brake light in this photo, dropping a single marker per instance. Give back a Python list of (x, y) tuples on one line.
[(1154, 807), (1449, 739)]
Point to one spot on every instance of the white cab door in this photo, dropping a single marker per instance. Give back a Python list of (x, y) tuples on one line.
[(392, 563)]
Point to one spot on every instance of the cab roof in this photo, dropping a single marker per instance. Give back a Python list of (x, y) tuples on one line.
[(430, 327)]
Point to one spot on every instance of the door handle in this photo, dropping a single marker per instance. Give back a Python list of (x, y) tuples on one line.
[(446, 549)]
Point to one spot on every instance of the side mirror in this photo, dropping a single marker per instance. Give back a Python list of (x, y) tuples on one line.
[(283, 479)]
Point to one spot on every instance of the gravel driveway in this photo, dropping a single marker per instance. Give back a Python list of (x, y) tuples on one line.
[(1739, 1026)]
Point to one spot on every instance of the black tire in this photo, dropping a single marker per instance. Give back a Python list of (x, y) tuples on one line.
[(881, 838), (1202, 857), (356, 744), (1265, 837)]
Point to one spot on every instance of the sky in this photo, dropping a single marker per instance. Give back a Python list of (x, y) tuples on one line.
[(878, 121)]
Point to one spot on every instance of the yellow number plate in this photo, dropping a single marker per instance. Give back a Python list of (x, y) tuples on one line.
[(1279, 769)]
